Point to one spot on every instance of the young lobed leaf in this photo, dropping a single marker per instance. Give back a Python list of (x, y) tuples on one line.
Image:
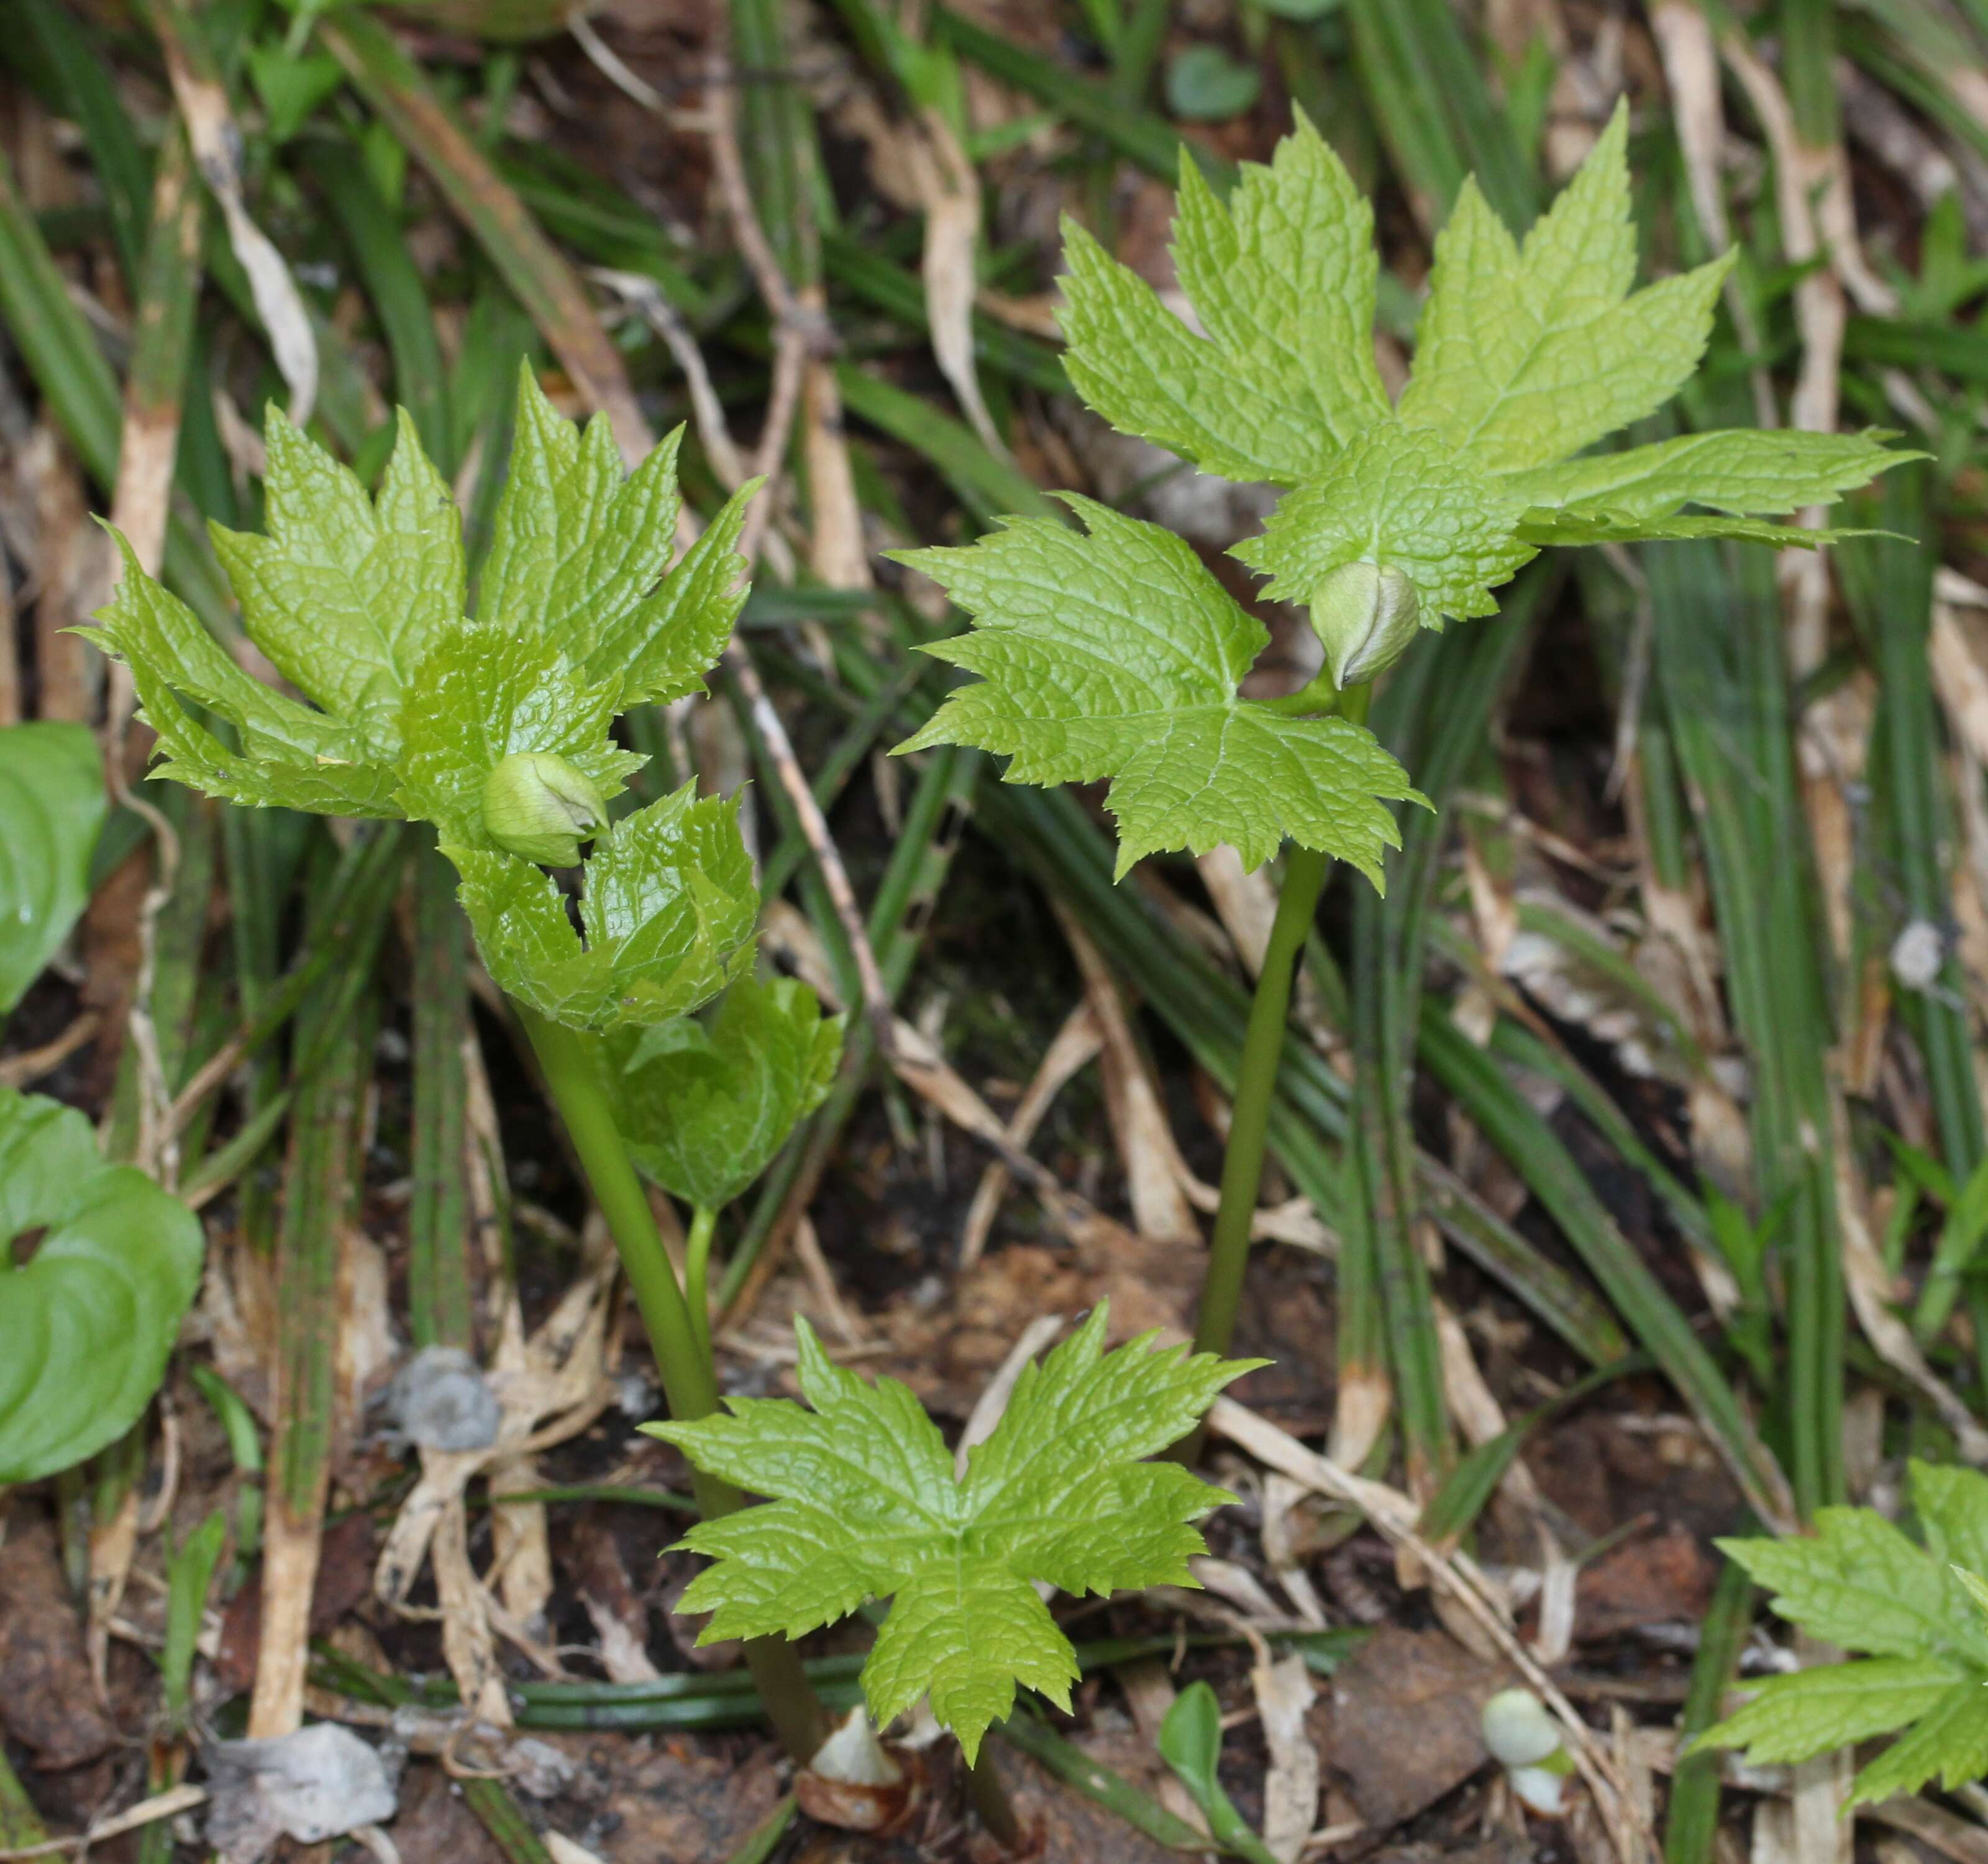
[(1859, 1582), (866, 1505), (666, 916), (52, 807), (1118, 655), (87, 1323), (705, 1106), (347, 593), (1282, 280), (412, 707)]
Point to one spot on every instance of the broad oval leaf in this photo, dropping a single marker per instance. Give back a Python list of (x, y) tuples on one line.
[(52, 807), (87, 1322)]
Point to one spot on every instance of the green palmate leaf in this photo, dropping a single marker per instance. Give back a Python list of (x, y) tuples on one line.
[(1859, 1582), (867, 1505), (1119, 654), (290, 757), (668, 911), (413, 709), (52, 806), (1103, 660), (1524, 355), (345, 595), (704, 1108), (1737, 470), (1283, 281), (360, 604), (1407, 499), (87, 1322), (1796, 1717)]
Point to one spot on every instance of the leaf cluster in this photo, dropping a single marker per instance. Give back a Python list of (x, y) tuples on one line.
[(1119, 655), (1859, 1583), (409, 701), (866, 1504)]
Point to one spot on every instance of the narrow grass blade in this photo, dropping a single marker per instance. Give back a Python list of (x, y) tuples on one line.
[(533, 268), (1146, 139)]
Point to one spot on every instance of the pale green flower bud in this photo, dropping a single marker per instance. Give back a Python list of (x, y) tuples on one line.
[(1525, 1739), (539, 807), (1365, 615), (1518, 1730)]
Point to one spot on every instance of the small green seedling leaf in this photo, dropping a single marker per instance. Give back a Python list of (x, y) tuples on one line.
[(667, 908), (52, 807), (1205, 85), (1921, 1614), (866, 1505), (1190, 1744), (1119, 654), (87, 1322), (705, 1106)]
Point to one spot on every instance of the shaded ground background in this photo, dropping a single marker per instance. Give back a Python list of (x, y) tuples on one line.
[(1700, 938)]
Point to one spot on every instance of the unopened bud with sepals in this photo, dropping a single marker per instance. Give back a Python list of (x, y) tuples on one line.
[(538, 805), (1365, 615)]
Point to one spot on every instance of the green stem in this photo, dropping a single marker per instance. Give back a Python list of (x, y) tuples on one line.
[(1318, 695), (580, 1091), (1305, 871), (697, 1274)]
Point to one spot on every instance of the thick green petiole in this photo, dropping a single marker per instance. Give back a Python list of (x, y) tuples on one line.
[(682, 1358), (1305, 871)]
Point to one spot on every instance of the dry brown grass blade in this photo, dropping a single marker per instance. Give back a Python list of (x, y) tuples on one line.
[(67, 573), (950, 191), (536, 271), (31, 1064), (801, 334), (1284, 1692), (1875, 1299), (168, 1804), (217, 147), (838, 551), (1076, 1045), (1155, 1173)]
